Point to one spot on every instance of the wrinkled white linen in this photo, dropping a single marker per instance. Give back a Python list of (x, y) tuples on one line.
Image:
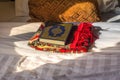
[(39, 65), (109, 37)]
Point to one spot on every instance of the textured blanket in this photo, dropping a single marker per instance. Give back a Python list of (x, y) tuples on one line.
[(60, 67)]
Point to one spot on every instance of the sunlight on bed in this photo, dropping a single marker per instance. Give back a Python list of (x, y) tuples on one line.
[(43, 58), (29, 27), (35, 58)]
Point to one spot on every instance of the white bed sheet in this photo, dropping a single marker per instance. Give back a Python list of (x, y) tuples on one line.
[(103, 64), (109, 39)]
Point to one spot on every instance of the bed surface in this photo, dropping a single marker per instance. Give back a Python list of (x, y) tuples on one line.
[(102, 64)]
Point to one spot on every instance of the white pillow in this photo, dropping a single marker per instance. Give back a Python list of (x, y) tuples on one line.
[(107, 5), (21, 8)]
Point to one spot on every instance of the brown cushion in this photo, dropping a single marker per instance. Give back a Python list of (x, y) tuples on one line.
[(63, 10)]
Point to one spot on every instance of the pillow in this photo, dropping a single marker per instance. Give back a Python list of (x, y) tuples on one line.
[(21, 8), (63, 10), (107, 5)]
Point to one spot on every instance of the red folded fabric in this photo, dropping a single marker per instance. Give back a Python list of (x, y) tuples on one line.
[(83, 37)]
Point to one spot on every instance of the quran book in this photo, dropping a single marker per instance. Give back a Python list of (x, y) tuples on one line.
[(56, 34)]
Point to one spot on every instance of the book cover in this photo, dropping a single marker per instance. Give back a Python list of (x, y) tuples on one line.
[(56, 34)]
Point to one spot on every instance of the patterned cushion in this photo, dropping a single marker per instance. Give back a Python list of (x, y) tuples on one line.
[(63, 10)]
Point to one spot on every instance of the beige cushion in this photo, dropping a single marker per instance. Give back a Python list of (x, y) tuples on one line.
[(63, 10)]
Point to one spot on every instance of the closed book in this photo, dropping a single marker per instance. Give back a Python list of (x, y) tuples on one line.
[(56, 34)]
